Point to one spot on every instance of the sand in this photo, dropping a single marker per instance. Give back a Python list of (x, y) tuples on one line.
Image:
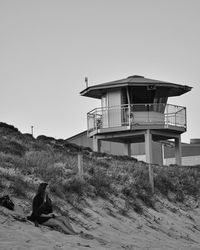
[(170, 227)]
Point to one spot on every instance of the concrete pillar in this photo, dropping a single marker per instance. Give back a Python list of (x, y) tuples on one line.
[(96, 144), (178, 150), (148, 146), (127, 149)]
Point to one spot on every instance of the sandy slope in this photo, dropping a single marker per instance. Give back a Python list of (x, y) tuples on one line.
[(170, 228)]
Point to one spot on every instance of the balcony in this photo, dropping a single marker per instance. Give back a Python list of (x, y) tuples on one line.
[(136, 116)]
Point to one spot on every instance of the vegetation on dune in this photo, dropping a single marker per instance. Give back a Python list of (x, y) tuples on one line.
[(181, 181), (24, 161)]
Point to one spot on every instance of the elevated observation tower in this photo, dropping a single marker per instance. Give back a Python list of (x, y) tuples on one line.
[(134, 110)]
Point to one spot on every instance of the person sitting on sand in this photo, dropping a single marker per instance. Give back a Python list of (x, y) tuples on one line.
[(43, 213)]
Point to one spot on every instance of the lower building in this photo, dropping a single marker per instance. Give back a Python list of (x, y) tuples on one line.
[(163, 152)]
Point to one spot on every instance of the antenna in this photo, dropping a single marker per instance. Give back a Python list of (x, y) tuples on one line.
[(32, 130), (86, 82)]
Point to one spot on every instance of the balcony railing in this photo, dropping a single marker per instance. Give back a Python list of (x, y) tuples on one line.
[(136, 114)]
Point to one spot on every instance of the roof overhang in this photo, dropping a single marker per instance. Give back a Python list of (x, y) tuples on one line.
[(136, 83)]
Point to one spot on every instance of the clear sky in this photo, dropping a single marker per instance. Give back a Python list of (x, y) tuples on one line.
[(47, 47)]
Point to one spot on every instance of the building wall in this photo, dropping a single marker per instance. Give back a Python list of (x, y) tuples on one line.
[(81, 140), (186, 161), (187, 150), (137, 149), (190, 154), (114, 114)]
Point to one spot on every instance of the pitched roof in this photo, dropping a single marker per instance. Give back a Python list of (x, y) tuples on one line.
[(96, 91), (77, 135)]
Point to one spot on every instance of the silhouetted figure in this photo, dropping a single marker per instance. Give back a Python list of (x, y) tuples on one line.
[(43, 212)]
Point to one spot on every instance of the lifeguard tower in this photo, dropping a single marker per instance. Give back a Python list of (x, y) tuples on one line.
[(134, 110)]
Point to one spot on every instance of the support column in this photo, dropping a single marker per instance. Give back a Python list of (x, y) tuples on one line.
[(149, 156), (127, 149), (148, 146), (96, 144), (178, 150)]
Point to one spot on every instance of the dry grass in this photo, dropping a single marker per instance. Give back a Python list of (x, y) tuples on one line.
[(55, 161)]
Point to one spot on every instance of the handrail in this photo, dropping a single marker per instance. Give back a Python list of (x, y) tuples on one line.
[(183, 108), (127, 115)]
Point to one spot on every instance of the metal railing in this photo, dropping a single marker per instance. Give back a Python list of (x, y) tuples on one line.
[(136, 114)]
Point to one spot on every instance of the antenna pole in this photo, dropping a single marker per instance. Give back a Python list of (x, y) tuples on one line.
[(32, 130), (86, 82)]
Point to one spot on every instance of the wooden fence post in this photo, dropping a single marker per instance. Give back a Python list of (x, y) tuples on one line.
[(80, 165), (151, 179)]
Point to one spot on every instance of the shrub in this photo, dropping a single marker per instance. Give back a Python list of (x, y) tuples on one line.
[(38, 160), (180, 196), (11, 147), (103, 163), (46, 139), (1, 185), (140, 190), (137, 186), (57, 189), (132, 204), (48, 165), (28, 138), (8, 160), (72, 147), (75, 185), (8, 127), (101, 181), (163, 183), (18, 185), (51, 172), (38, 146), (87, 149), (180, 180), (189, 182), (137, 207)]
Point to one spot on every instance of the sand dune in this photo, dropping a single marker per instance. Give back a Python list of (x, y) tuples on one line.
[(171, 227)]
